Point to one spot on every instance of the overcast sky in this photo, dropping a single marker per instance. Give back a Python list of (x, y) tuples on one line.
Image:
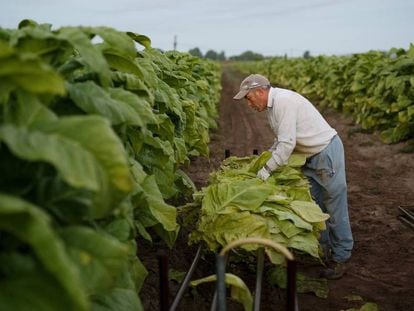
[(268, 27)]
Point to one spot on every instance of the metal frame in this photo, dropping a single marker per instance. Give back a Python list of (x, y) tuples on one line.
[(291, 304)]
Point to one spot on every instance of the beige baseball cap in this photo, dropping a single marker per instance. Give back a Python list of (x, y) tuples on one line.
[(251, 82)]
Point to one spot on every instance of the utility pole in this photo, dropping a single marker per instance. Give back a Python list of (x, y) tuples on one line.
[(175, 42)]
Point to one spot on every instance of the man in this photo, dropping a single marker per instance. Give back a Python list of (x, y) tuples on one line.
[(298, 126)]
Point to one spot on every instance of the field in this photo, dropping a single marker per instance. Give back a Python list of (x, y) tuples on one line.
[(380, 178), (102, 143)]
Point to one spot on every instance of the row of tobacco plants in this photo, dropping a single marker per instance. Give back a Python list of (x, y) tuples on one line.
[(376, 88), (94, 125)]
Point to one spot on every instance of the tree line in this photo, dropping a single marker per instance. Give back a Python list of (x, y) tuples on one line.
[(247, 55)]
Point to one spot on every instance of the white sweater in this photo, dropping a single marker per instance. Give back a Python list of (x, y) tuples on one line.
[(297, 125)]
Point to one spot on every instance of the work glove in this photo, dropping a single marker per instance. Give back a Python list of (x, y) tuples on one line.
[(263, 173)]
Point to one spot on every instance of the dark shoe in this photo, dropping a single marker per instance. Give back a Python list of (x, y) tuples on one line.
[(326, 254), (334, 271)]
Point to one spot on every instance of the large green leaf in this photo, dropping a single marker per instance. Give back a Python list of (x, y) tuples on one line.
[(157, 157), (27, 110), (119, 62), (245, 194), (180, 151), (238, 289), (309, 211), (133, 83), (152, 211), (306, 242), (84, 150), (114, 39), (259, 162), (118, 105), (164, 213), (95, 136), (288, 228), (99, 256), (32, 226), (119, 299), (167, 96), (89, 53), (221, 230), (30, 74), (149, 69), (77, 166), (34, 291), (141, 39), (284, 213), (139, 104), (165, 129)]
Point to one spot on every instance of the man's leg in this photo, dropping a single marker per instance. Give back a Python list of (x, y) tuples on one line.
[(326, 173), (317, 193), (336, 203)]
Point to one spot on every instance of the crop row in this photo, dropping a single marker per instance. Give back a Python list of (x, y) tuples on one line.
[(376, 88), (94, 126)]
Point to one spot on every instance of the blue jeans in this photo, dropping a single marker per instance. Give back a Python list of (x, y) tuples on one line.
[(326, 173)]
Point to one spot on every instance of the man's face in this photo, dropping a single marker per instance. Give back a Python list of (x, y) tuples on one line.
[(257, 99)]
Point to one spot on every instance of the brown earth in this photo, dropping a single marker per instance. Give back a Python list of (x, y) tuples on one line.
[(380, 179)]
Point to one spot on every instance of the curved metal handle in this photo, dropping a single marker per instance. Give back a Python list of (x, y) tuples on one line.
[(276, 246)]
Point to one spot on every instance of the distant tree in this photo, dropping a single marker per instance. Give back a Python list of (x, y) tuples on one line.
[(221, 56), (211, 54), (306, 54), (248, 55), (196, 52)]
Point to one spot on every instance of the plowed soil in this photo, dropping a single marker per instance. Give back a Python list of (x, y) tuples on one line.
[(380, 179)]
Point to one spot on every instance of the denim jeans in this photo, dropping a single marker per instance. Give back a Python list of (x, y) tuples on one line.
[(326, 173)]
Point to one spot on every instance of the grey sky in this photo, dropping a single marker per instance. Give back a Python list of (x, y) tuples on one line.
[(234, 26)]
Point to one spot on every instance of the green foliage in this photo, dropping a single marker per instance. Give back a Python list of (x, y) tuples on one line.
[(375, 87), (248, 56), (369, 306), (196, 52), (213, 55), (238, 289), (277, 276), (306, 54), (45, 263), (92, 136), (237, 204)]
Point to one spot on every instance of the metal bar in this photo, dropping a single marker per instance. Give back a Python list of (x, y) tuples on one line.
[(259, 278), (214, 302), (186, 280), (163, 269), (213, 306), (406, 221), (291, 300), (276, 246), (221, 282), (408, 213)]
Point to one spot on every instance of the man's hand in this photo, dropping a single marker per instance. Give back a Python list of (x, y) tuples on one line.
[(263, 173)]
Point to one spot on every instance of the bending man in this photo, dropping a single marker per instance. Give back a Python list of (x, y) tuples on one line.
[(298, 126)]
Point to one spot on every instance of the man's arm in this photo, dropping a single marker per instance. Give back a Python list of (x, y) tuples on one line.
[(285, 142)]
